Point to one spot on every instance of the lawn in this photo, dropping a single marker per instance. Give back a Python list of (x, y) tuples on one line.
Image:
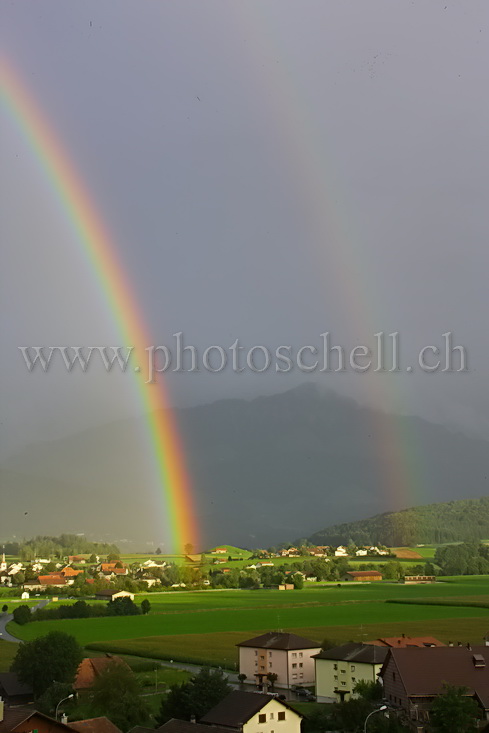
[(8, 651), (241, 619), (220, 648)]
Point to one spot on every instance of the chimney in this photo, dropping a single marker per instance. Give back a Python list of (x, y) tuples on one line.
[(193, 719), (478, 661), (2, 706), (468, 646), (450, 643), (459, 643), (486, 640)]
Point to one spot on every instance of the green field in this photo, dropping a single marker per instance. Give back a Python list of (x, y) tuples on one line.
[(8, 651), (208, 612)]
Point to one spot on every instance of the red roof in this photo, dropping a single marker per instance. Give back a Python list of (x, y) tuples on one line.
[(95, 725), (90, 668), (400, 642), (51, 580)]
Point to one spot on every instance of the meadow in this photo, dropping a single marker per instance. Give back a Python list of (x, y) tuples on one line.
[(326, 607)]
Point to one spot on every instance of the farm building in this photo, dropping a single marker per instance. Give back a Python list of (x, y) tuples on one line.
[(91, 668), (288, 656), (112, 595), (418, 579), (362, 576)]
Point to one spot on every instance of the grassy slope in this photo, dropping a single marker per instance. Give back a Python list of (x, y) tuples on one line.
[(8, 651)]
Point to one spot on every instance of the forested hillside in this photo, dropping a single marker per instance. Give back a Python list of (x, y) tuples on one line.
[(451, 521)]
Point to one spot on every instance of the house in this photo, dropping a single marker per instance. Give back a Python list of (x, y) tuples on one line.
[(286, 586), (69, 572), (361, 553), (400, 642), (47, 581), (362, 576), (413, 678), (113, 594), (3, 563), (91, 668), (288, 656), (219, 551), (77, 559), (339, 669), (252, 712), (377, 551), (341, 551), (14, 692), (25, 720), (416, 579), (94, 725)]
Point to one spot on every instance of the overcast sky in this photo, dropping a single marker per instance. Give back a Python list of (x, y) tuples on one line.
[(269, 171)]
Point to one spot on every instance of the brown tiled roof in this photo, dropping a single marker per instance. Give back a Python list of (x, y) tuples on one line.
[(237, 708), (424, 670), (52, 580), (353, 652), (91, 667), (399, 642), (95, 725), (280, 640), (19, 720)]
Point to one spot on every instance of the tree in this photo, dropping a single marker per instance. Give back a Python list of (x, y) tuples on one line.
[(145, 606), (4, 608), (117, 694), (92, 559), (122, 607), (195, 697), (22, 615), (54, 657), (49, 699), (298, 581), (454, 711), (242, 677), (372, 691), (158, 550), (189, 548), (272, 678), (113, 557)]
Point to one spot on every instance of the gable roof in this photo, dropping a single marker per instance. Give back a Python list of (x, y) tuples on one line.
[(51, 579), (92, 667), (280, 640), (354, 652), (400, 642), (238, 707), (181, 726), (424, 670), (18, 719), (363, 573), (12, 686), (95, 725)]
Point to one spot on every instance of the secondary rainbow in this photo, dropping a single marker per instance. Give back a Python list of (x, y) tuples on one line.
[(100, 251)]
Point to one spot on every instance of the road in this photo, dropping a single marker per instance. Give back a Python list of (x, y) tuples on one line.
[(6, 617)]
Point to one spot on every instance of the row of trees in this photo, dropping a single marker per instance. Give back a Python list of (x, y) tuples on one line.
[(81, 609), (468, 558), (60, 547)]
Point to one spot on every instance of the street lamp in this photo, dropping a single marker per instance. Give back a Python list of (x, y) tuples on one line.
[(382, 707), (63, 700)]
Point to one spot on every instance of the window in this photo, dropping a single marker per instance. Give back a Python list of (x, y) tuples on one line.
[(336, 677), (300, 664), (269, 654), (344, 684), (343, 671), (301, 675), (269, 664), (256, 664), (300, 654), (353, 679), (256, 652), (294, 676), (352, 667), (294, 655), (294, 666), (281, 716), (335, 666), (262, 718)]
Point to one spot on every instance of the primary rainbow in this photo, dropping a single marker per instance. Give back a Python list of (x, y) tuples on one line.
[(100, 251)]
